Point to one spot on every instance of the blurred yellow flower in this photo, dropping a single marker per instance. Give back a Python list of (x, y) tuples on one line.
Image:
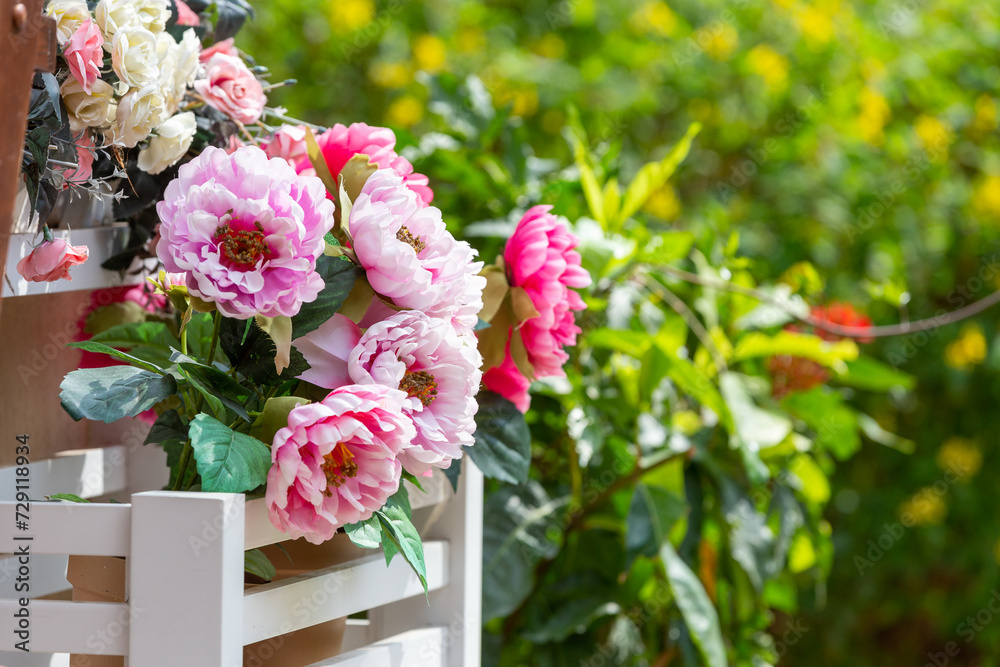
[(346, 16), (770, 65), (985, 120), (934, 135), (961, 457), (719, 40), (405, 111), (685, 421), (986, 197), (663, 203), (968, 350), (815, 24), (523, 99), (873, 116), (654, 18), (430, 53), (471, 39), (925, 508), (550, 46), (389, 75)]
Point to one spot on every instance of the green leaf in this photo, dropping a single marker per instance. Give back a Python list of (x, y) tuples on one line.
[(71, 497), (213, 382), (365, 534), (259, 565), (199, 335), (876, 433), (228, 461), (280, 330), (831, 355), (571, 616), (666, 248), (871, 375), (823, 410), (696, 384), (168, 426), (394, 518), (651, 515), (515, 539), (632, 343), (655, 175), (339, 275), (699, 614), (252, 352), (101, 348), (274, 416), (452, 472), (151, 341), (110, 394), (815, 487), (503, 441), (751, 540), (754, 428)]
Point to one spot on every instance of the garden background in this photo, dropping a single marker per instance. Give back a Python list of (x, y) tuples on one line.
[(857, 137)]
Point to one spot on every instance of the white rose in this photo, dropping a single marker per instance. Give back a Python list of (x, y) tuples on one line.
[(113, 15), (172, 140), (138, 113), (178, 66), (68, 14), (133, 57), (86, 110)]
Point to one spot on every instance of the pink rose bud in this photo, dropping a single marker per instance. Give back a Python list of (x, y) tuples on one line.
[(232, 88), (84, 53), (51, 261), (186, 15)]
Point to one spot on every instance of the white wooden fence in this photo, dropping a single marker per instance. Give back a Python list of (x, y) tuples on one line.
[(186, 603)]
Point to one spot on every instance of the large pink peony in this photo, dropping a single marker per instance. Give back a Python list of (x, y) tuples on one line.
[(335, 463), (340, 143), (410, 257), (540, 258), (247, 230), (232, 88), (423, 356), (84, 53)]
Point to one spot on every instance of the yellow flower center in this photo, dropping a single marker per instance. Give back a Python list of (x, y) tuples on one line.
[(243, 249), (338, 466), (421, 385), (404, 236)]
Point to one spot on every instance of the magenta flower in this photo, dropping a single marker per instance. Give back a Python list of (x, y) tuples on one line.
[(247, 230), (423, 356), (410, 257), (335, 463), (339, 144), (84, 53), (509, 382), (539, 257)]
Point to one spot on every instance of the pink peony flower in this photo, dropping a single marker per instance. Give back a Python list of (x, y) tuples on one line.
[(84, 161), (52, 261), (509, 382), (539, 257), (225, 47), (84, 53), (339, 144), (289, 143), (410, 257), (186, 15), (423, 356), (335, 463), (232, 88), (247, 230)]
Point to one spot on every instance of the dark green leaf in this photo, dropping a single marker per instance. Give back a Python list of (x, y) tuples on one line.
[(168, 426), (71, 497), (251, 352), (651, 515), (228, 461), (232, 394), (397, 527), (503, 441), (697, 609), (259, 565), (339, 274), (452, 472), (824, 411), (110, 394), (101, 348)]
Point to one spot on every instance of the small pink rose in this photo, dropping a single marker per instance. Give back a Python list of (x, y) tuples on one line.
[(84, 53), (186, 15), (288, 143), (232, 88), (52, 261), (225, 47)]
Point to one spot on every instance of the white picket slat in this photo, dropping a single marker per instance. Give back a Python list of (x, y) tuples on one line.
[(48, 576), (423, 647), (34, 659), (68, 528), (87, 473), (72, 627), (298, 602)]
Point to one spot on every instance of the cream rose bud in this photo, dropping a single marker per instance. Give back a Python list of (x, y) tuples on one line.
[(138, 113), (113, 15), (133, 57), (68, 15), (172, 140), (86, 110)]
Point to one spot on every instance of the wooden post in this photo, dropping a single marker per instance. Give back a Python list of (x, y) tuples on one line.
[(27, 44), (186, 579)]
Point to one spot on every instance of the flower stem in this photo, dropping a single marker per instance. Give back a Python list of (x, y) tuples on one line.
[(215, 337), (182, 466)]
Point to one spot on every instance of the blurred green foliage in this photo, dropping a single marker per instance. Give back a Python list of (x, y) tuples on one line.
[(860, 137)]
